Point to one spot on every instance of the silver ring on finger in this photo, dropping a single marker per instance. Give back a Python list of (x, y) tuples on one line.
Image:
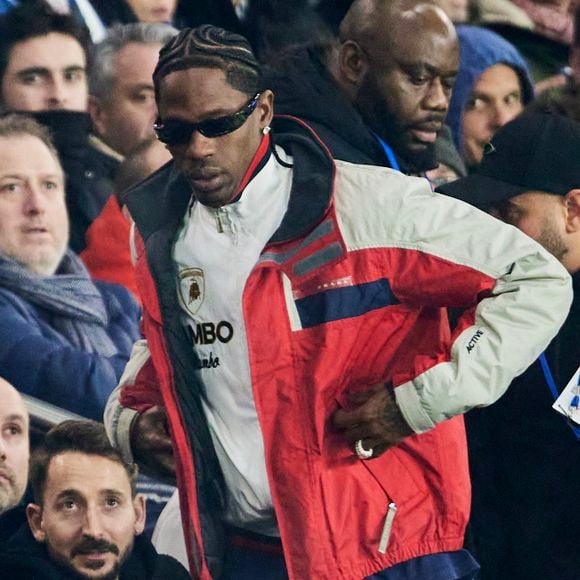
[(361, 452)]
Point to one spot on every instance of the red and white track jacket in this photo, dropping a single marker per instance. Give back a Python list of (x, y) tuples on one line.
[(349, 292)]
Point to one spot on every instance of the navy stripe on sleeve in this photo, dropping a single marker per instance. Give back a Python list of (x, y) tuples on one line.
[(346, 302)]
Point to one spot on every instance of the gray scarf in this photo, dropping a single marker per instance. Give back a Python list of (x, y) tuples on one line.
[(74, 303)]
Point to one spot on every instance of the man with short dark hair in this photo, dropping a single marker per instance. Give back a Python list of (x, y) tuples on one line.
[(297, 347), (87, 519), (525, 458), (44, 59)]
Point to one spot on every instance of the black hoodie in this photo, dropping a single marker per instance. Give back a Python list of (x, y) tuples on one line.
[(303, 88)]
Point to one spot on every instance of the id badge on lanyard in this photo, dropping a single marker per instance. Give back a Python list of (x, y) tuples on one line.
[(568, 401)]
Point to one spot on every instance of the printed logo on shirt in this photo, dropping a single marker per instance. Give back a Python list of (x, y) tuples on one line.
[(209, 333), (473, 341), (191, 289), (210, 362)]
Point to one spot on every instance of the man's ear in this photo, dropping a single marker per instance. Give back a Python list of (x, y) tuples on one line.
[(572, 202), (265, 108), (34, 517), (352, 62), (98, 114), (139, 505)]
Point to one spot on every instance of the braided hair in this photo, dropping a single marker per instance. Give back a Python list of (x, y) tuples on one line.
[(211, 47)]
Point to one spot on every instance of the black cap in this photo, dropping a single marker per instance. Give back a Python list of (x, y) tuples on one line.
[(534, 152)]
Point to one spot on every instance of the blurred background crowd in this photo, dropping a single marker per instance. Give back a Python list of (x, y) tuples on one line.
[(82, 71)]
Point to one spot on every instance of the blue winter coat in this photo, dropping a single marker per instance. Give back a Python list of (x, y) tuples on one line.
[(6, 5), (42, 363)]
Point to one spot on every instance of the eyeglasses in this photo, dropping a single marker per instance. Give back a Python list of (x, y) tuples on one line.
[(176, 132)]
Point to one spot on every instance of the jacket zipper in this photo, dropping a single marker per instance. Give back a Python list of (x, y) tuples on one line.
[(389, 517), (219, 222), (387, 527)]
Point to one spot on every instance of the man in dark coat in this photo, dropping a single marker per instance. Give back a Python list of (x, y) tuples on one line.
[(374, 98), (14, 447), (524, 457), (87, 520)]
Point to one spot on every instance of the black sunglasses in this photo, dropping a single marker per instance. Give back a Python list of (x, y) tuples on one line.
[(176, 132)]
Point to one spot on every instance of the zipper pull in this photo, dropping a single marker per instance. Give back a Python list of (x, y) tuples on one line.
[(391, 513), (218, 217)]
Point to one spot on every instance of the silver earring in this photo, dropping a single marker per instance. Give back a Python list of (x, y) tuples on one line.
[(266, 130)]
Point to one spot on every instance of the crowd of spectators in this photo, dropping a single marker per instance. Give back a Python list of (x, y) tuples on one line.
[(469, 95)]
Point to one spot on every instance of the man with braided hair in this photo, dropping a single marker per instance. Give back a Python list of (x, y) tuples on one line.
[(309, 398)]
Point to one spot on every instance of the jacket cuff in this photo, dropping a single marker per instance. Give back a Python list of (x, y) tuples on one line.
[(410, 405), (123, 433)]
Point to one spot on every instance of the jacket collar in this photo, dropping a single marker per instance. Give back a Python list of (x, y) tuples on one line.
[(161, 200), (312, 179)]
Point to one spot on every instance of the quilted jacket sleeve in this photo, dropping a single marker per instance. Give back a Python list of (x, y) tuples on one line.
[(41, 363)]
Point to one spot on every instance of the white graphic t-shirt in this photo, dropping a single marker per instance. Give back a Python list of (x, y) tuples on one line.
[(215, 252)]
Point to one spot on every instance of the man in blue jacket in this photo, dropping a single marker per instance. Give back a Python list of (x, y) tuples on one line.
[(64, 338)]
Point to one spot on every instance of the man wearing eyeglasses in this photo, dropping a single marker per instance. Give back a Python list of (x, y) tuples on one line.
[(298, 378)]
